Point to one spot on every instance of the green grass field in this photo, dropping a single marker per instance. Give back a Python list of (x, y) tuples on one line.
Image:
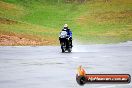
[(94, 21)]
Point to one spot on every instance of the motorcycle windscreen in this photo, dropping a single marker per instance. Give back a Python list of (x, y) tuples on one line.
[(63, 34)]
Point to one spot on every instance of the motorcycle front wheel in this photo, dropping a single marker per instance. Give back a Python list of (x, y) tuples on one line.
[(63, 50)]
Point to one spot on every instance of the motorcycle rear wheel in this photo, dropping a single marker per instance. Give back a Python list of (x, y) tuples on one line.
[(69, 50)]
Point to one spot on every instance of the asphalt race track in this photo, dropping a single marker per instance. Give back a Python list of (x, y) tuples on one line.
[(47, 67)]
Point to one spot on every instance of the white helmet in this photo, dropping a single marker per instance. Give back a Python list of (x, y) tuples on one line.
[(65, 25)]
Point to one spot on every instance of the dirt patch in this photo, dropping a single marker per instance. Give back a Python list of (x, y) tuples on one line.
[(113, 16), (7, 6), (7, 21), (15, 40), (107, 17)]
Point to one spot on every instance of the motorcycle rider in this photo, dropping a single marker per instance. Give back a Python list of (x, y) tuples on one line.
[(69, 33)]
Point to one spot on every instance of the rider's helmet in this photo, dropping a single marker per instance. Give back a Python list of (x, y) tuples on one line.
[(65, 26)]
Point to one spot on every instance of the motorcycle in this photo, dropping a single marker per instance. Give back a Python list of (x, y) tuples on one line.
[(65, 42)]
